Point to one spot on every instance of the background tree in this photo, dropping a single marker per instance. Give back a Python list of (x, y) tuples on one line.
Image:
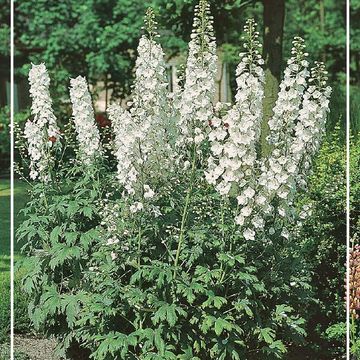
[(94, 38), (5, 27), (4, 49), (274, 16)]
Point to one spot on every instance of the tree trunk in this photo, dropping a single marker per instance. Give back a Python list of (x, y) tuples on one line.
[(274, 14), (322, 26)]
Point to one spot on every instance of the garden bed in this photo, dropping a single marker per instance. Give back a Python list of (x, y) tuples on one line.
[(35, 348)]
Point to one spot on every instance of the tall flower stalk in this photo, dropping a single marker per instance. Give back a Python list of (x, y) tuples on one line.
[(143, 144), (195, 105), (124, 145), (88, 135), (286, 113), (42, 132), (235, 136)]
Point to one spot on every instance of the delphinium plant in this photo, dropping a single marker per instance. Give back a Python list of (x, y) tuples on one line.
[(62, 215), (181, 244)]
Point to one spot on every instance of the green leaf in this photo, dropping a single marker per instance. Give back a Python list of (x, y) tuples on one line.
[(243, 305), (267, 334), (221, 325), (159, 342), (88, 212), (54, 235), (279, 345), (71, 306), (62, 253)]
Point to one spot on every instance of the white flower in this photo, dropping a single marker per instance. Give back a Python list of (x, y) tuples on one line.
[(260, 200), (41, 106), (88, 136), (258, 222), (242, 200), (124, 144), (240, 220), (148, 192), (282, 123), (246, 211), (112, 241), (249, 234), (285, 233), (249, 193), (136, 207)]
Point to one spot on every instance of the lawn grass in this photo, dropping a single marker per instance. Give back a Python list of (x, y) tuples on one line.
[(4, 260), (21, 319), (4, 298), (20, 199)]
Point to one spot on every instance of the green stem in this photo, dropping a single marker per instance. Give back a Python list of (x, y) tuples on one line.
[(230, 251), (139, 247), (222, 234), (185, 213)]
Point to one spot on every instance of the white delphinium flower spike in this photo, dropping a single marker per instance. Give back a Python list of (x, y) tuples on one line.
[(235, 136), (292, 87), (276, 168), (195, 105), (125, 147), (311, 125), (143, 143), (41, 132), (87, 132), (150, 93), (296, 144), (305, 142)]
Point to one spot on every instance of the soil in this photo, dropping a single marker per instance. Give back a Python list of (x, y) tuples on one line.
[(36, 348)]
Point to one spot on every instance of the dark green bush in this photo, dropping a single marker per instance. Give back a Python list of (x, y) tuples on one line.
[(324, 248), (355, 230)]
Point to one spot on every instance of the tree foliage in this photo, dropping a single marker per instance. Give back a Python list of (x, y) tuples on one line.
[(97, 38)]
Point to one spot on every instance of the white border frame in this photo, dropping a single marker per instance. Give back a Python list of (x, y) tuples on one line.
[(12, 180), (348, 180)]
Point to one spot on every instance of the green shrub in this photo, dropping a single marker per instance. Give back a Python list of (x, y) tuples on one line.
[(99, 298), (324, 243), (355, 229), (355, 111), (4, 130)]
